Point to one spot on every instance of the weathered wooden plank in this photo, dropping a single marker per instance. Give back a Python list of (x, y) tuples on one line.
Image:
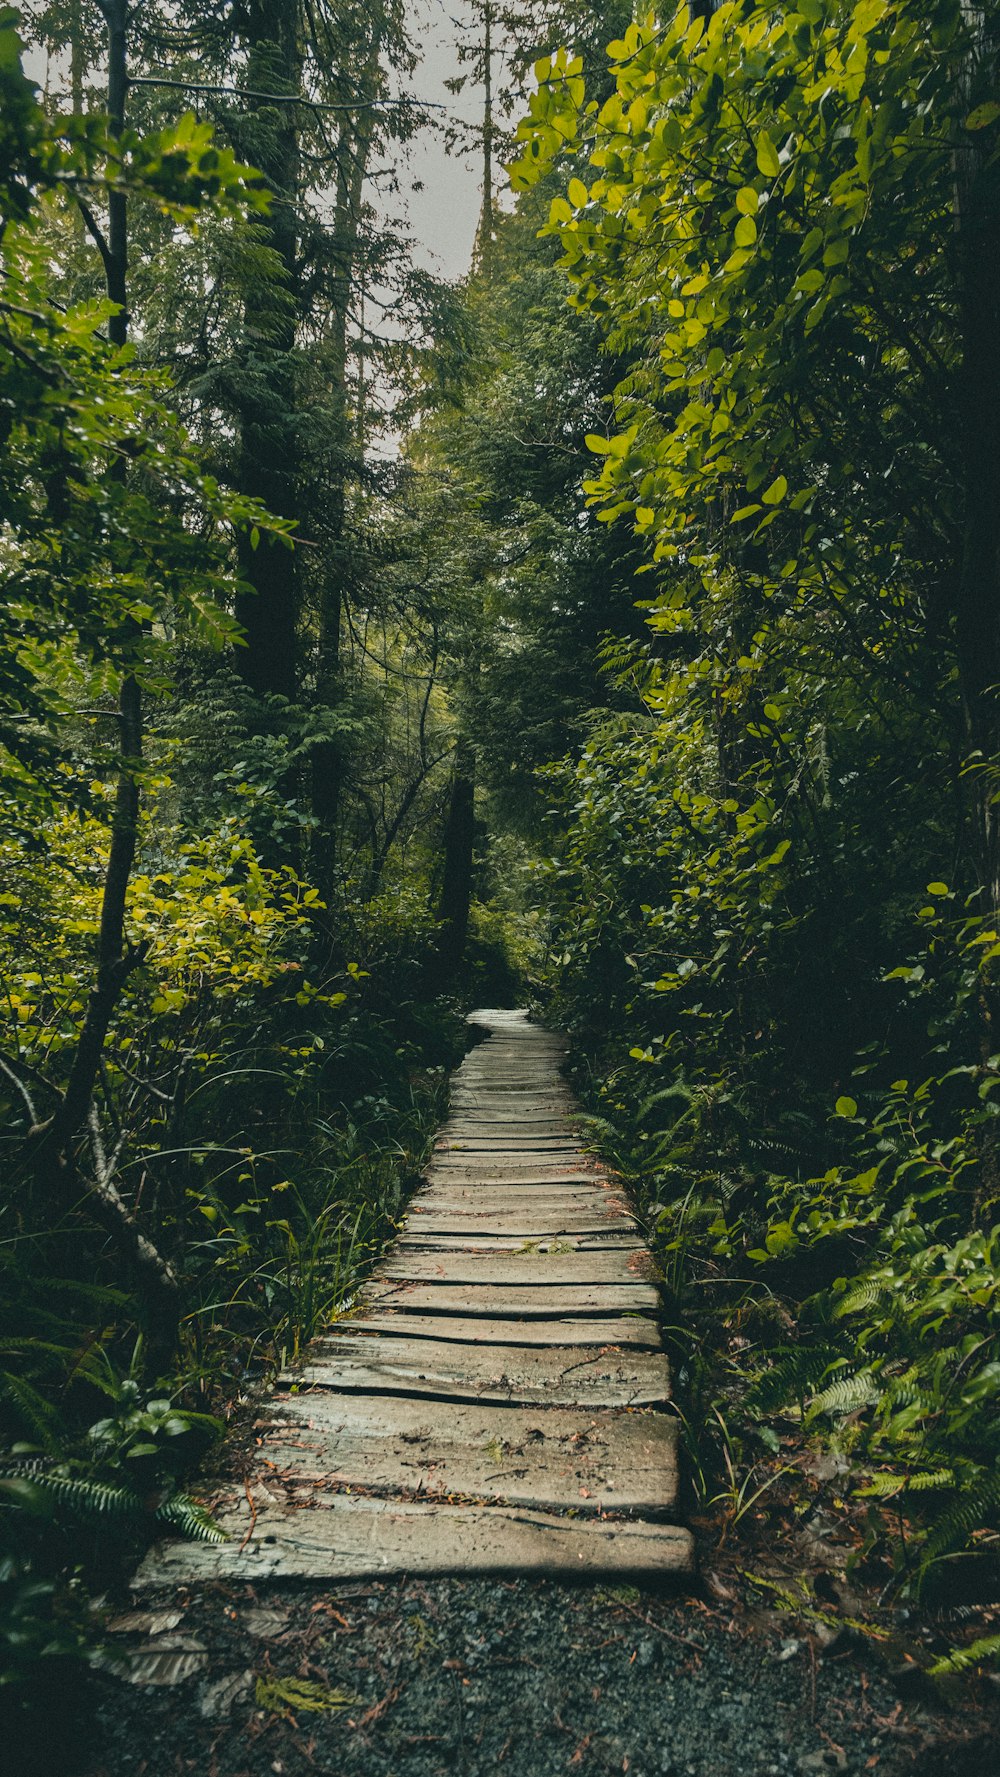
[(352, 1538), (584, 1214), (485, 1169), (552, 1460), (521, 1231), (636, 1330), (573, 1376), (509, 1101), (515, 1196), (544, 1124), (518, 1141), (522, 1045), (519, 1196), (508, 1109), (498, 1171), (522, 1206), (515, 1053), (462, 1215), (511, 1095), (509, 1144), (475, 1156), (515, 1190), (508, 1160), (531, 1118), (544, 1079), (489, 1244), (503, 1302), (549, 1271), (513, 1069), (513, 1098), (347, 1377), (535, 1076), (509, 1106), (515, 1187), (473, 1197), (459, 1219), (473, 1124)]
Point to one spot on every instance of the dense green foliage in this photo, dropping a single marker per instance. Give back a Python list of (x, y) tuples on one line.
[(775, 902)]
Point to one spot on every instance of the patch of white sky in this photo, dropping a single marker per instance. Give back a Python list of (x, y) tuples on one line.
[(443, 183), (440, 175)]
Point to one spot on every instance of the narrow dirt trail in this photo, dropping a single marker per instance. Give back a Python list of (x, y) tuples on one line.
[(495, 1404)]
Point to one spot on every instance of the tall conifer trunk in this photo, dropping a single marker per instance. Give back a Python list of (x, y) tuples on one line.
[(456, 884), (77, 57), (269, 446), (355, 148)]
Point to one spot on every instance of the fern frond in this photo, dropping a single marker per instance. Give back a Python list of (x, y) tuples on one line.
[(904, 1391), (882, 1486), (12, 1345), (678, 1090), (845, 1395), (792, 1378), (931, 1479), (886, 1486), (961, 1658), (191, 1519), (769, 1147), (976, 1506), (862, 1296), (88, 1498), (38, 1414), (97, 1295)]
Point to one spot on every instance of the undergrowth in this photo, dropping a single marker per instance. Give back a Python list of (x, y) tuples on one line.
[(264, 1110), (831, 1268), (854, 1313)]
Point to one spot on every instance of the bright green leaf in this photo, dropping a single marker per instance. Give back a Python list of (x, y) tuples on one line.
[(767, 156)]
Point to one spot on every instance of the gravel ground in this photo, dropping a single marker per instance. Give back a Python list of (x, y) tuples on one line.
[(462, 1677)]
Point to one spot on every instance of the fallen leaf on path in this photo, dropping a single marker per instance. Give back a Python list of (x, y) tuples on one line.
[(165, 1662), (145, 1622)]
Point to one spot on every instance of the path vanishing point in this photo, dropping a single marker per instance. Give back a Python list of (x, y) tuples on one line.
[(498, 1402)]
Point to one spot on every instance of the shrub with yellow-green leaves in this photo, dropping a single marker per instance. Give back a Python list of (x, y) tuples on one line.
[(214, 925)]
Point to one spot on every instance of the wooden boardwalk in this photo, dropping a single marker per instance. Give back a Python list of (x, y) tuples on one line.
[(496, 1403)]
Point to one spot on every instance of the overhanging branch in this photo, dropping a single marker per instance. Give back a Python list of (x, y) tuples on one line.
[(250, 92)]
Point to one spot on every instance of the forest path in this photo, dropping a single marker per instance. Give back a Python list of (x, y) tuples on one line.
[(494, 1405)]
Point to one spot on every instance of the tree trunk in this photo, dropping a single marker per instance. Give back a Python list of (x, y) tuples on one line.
[(456, 884), (484, 243), (77, 57), (269, 445), (327, 763)]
